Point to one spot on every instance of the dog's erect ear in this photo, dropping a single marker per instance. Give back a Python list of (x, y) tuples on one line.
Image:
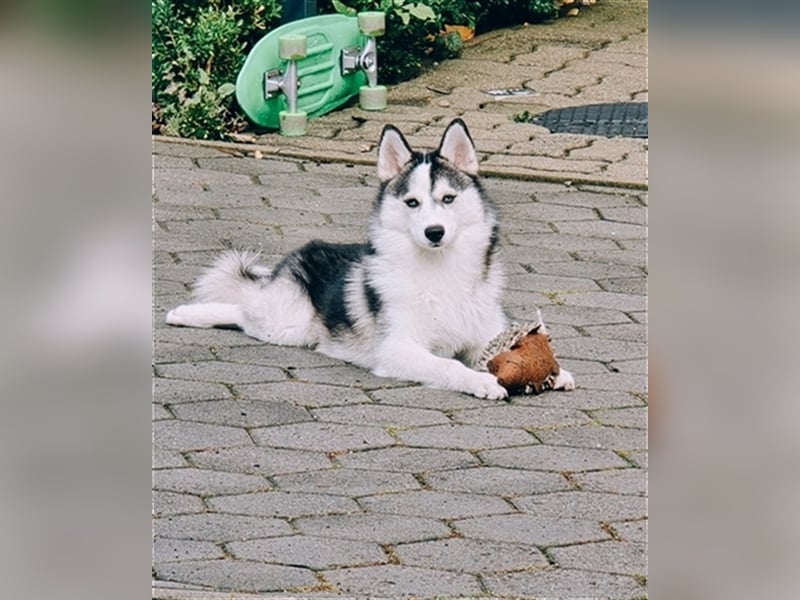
[(393, 153), (457, 147)]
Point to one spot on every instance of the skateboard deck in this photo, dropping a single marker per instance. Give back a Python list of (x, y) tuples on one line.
[(322, 87)]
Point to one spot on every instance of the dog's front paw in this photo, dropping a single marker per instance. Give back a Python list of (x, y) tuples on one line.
[(564, 381), (484, 385)]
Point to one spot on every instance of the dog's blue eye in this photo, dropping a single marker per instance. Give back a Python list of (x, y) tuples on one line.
[(448, 199), (412, 202)]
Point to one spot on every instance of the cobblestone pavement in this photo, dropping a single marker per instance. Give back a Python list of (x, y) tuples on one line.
[(597, 57), (281, 471)]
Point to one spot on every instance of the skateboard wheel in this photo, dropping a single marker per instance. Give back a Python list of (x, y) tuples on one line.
[(372, 23), (292, 47), (372, 98), (293, 124)]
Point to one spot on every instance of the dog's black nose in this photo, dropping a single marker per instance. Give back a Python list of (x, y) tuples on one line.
[(434, 233)]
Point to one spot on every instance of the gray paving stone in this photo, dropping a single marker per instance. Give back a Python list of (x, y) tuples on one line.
[(553, 458), (546, 283), (196, 197), (632, 331), (531, 529), (194, 176), (347, 375), (600, 349), (282, 504), (565, 583), (419, 397), (165, 459), (470, 556), (160, 413), (592, 270), (622, 417), (439, 505), (161, 161), (267, 216), (549, 213), (584, 505), (219, 528), (564, 242), (326, 437), (303, 394), (222, 372), (633, 383), (578, 368), (168, 352), (617, 257), (581, 316), (624, 558), (497, 481), (604, 229), (163, 148), (184, 436), (611, 300), (207, 483), (347, 482), (171, 391), (241, 413), (171, 503), (638, 367), (611, 438), (523, 254), (248, 166), (383, 416), (624, 285), (638, 457), (373, 527), (465, 437), (394, 581), (408, 460), (632, 531), (615, 481), (236, 575), (284, 357), (639, 246), (260, 461), (634, 215), (165, 550), (589, 200), (638, 316), (307, 551), (528, 417)]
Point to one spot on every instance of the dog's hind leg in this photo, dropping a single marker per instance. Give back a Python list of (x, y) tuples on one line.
[(207, 314)]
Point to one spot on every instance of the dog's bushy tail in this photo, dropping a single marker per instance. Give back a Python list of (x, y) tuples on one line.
[(230, 277)]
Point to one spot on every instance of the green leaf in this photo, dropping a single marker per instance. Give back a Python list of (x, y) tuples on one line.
[(202, 76), (226, 89), (343, 9), (423, 12), (404, 17)]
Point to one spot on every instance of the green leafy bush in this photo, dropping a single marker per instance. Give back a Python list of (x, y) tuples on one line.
[(198, 47), (503, 13)]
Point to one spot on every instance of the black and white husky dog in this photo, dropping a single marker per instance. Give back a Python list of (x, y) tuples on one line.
[(418, 301)]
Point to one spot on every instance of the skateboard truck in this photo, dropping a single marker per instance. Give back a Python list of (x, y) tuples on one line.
[(371, 96), (295, 72), (291, 48)]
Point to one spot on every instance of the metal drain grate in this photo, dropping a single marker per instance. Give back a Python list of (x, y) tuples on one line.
[(622, 119)]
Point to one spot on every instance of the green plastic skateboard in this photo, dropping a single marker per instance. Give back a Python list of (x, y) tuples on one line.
[(309, 67)]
